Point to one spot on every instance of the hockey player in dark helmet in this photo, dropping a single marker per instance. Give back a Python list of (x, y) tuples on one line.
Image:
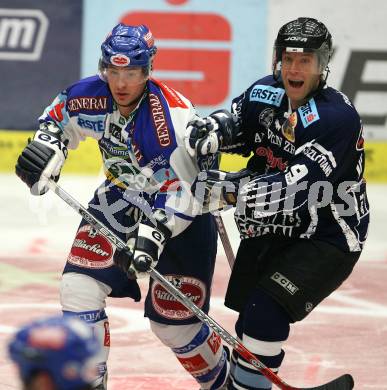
[(301, 55), (298, 244)]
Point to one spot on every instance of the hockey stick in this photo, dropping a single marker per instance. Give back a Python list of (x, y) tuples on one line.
[(344, 382), (225, 240)]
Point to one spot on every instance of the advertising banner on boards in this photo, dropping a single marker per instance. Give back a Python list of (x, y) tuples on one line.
[(208, 50), (40, 44), (211, 51)]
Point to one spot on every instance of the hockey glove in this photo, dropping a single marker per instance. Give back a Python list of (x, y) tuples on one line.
[(42, 158), (147, 247), (215, 190), (207, 135)]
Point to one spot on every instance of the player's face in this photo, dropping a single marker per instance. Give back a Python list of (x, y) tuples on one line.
[(126, 84), (300, 75)]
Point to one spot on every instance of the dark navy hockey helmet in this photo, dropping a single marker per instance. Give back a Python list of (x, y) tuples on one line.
[(65, 348), (128, 46), (303, 35)]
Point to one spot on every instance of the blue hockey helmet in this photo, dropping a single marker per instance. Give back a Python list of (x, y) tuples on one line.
[(65, 348), (128, 46)]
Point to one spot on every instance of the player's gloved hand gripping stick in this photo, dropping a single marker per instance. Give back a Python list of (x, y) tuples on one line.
[(344, 382)]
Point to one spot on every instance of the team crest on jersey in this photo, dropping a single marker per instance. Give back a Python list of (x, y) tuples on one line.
[(166, 304), (288, 127), (266, 117), (308, 113)]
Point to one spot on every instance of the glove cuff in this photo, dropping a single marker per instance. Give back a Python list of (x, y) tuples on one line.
[(150, 240), (227, 123)]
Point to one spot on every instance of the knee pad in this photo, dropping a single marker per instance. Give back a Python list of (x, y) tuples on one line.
[(80, 292), (198, 349), (264, 319), (85, 297)]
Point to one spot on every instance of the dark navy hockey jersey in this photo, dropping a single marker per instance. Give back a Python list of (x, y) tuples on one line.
[(309, 164)]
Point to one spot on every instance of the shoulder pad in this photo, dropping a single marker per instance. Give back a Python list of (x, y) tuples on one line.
[(89, 95)]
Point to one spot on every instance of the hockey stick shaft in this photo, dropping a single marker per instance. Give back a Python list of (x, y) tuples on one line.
[(177, 294), (225, 240)]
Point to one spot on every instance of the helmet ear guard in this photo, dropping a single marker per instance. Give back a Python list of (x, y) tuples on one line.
[(303, 35)]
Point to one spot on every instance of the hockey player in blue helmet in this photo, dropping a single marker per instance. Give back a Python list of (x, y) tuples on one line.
[(126, 63), (55, 353), (139, 123)]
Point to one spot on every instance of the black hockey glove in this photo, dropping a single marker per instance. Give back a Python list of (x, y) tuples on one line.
[(207, 135), (42, 158), (146, 248), (215, 190)]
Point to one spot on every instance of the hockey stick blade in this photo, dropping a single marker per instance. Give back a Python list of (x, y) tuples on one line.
[(344, 382)]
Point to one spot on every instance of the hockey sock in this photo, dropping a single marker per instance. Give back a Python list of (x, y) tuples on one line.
[(84, 297), (199, 350), (99, 321), (263, 327)]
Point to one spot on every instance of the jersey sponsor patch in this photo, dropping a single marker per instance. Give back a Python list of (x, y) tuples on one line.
[(92, 122), (87, 103), (308, 113), (159, 120), (166, 304), (323, 157), (267, 94), (90, 250), (271, 160)]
